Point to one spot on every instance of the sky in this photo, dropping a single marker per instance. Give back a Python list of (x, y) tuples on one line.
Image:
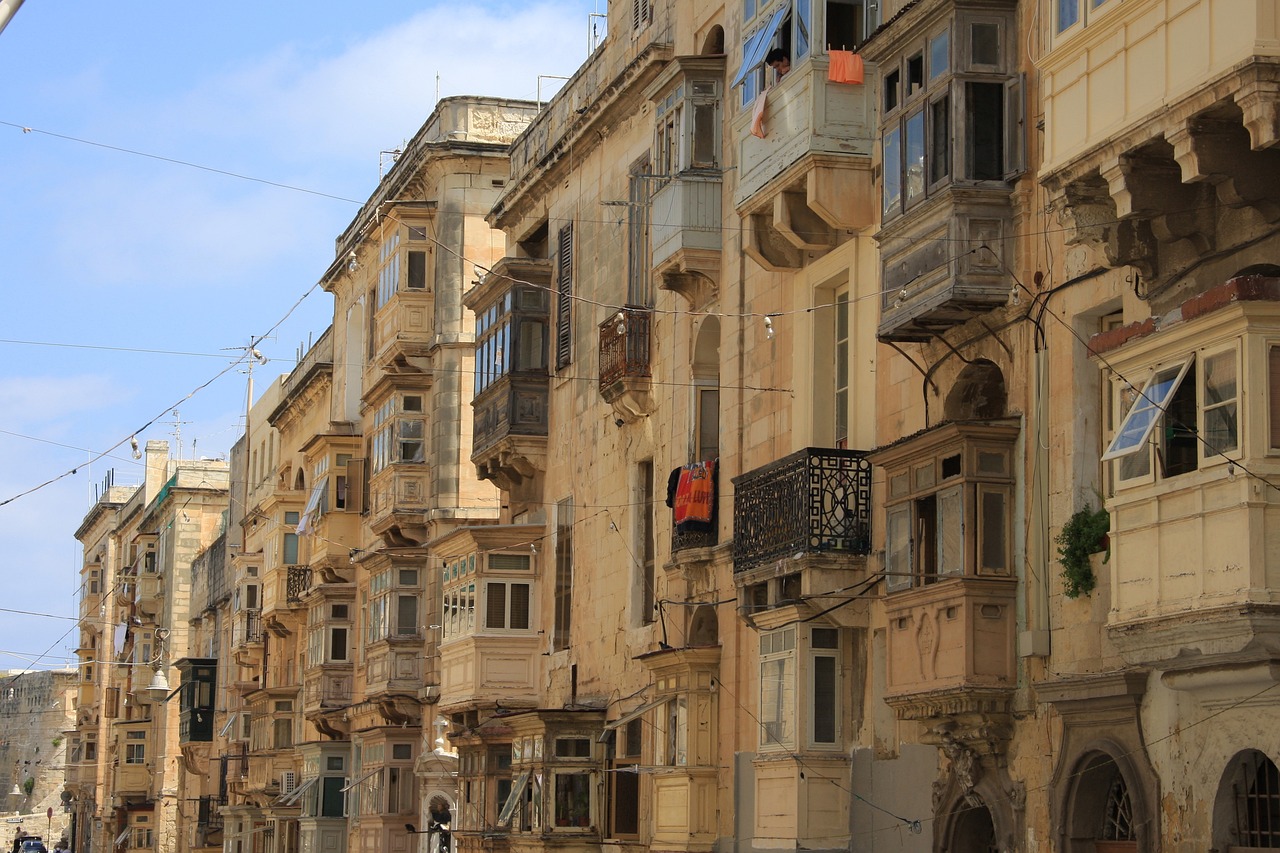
[(172, 179)]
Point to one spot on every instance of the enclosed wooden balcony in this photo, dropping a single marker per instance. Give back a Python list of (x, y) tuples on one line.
[(326, 687), (807, 185), (509, 438)]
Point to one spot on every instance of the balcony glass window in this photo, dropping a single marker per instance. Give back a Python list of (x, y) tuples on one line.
[(388, 268), (392, 610), (573, 799), (777, 689), (1073, 13), (508, 339), (952, 113), (507, 606), (1185, 416), (948, 508), (135, 748), (399, 431)]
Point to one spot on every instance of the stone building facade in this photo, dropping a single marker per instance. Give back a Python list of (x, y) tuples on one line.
[(872, 456)]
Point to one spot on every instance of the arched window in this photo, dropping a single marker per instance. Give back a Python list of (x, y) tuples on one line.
[(1247, 810), (706, 402)]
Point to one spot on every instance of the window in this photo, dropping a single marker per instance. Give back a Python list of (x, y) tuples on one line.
[(766, 31), (388, 268), (800, 700), (1072, 13), (507, 606), (639, 254), (777, 689), (328, 642), (564, 297), (135, 748), (952, 112), (1185, 416), (140, 837), (850, 22), (289, 549), (399, 431), (646, 548), (400, 790), (458, 613), (392, 610), (573, 799), (624, 782), (511, 336), (949, 504), (688, 127), (564, 575)]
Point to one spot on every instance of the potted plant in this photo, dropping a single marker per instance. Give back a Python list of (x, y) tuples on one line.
[(1084, 534)]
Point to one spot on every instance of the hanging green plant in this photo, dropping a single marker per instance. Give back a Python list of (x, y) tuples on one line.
[(29, 785), (1084, 534)]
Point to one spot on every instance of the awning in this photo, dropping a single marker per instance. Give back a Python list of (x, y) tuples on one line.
[(293, 796), (230, 721), (513, 799), (122, 836), (631, 715), (758, 45)]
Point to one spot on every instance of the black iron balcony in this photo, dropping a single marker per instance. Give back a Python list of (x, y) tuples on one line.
[(248, 628), (297, 582), (816, 500)]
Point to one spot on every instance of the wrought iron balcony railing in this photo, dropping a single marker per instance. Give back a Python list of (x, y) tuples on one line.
[(297, 582), (624, 346), (248, 627), (816, 500)]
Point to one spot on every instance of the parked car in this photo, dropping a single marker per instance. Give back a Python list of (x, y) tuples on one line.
[(33, 844)]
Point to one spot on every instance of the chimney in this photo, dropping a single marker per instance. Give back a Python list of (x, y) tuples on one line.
[(157, 468)]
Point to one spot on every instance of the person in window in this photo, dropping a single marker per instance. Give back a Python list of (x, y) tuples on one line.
[(779, 61)]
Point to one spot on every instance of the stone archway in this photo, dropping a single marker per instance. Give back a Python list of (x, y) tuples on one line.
[(979, 393)]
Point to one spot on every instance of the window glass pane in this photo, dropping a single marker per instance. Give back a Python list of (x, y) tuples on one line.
[(1146, 410), (1219, 401), (407, 615), (519, 605), (1273, 389), (892, 156), (993, 549), (337, 644), (704, 135), (986, 131), (708, 424), (897, 555), (1068, 13), (290, 549), (776, 702), (824, 699), (939, 139), (914, 155), (985, 42), (495, 615), (939, 54), (417, 270), (803, 26), (951, 532)]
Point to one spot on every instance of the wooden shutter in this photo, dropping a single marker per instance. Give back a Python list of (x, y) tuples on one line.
[(355, 485), (564, 298)]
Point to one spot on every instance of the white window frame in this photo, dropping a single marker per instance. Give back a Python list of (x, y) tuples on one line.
[(1154, 399), (1086, 12), (778, 652)]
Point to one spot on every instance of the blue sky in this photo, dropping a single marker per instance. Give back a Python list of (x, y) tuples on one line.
[(105, 253)]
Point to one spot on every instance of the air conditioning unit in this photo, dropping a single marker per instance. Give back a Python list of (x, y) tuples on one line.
[(288, 781)]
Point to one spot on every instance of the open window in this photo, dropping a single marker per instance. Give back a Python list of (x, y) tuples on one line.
[(1185, 416)]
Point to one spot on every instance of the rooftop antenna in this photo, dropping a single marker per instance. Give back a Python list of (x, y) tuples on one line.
[(437, 87), (177, 431)]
